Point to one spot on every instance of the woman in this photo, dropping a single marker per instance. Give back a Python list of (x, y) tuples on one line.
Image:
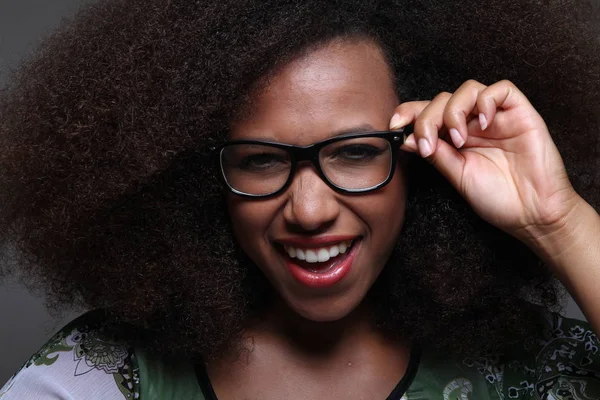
[(239, 189)]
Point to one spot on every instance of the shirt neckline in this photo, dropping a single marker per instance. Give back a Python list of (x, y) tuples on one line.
[(399, 390)]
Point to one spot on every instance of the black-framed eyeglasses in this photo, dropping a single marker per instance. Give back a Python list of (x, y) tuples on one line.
[(353, 163)]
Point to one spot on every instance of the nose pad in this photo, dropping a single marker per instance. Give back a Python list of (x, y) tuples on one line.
[(311, 204)]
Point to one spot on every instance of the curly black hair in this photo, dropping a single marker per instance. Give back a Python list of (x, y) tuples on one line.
[(109, 198)]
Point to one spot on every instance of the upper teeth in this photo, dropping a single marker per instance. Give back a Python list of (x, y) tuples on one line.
[(320, 254)]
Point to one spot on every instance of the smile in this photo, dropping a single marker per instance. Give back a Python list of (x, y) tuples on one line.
[(318, 255), (320, 263)]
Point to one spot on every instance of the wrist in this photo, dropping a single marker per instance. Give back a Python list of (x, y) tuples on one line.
[(573, 232)]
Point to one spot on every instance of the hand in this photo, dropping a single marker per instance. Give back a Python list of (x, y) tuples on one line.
[(495, 149)]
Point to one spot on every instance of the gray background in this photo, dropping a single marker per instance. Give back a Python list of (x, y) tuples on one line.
[(24, 323)]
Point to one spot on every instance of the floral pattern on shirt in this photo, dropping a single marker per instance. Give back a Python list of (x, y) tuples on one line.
[(562, 364), (565, 365), (91, 348)]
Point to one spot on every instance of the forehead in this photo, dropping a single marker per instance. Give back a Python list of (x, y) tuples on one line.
[(345, 85)]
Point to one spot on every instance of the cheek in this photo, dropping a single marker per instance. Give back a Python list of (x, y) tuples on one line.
[(243, 217), (250, 220), (390, 206), (386, 217), (386, 237)]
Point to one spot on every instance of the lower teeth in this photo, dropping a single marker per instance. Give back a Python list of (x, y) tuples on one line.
[(324, 268)]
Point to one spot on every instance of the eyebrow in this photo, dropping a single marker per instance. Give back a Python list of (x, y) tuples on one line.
[(355, 129), (363, 128)]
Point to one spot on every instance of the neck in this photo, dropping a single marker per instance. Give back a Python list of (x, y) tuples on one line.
[(317, 338), (338, 353)]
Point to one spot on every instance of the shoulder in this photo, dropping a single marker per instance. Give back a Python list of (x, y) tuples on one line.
[(84, 360), (563, 363)]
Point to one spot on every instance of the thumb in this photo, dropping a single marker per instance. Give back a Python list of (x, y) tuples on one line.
[(449, 162)]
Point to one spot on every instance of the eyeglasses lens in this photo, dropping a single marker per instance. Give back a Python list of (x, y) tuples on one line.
[(357, 164), (354, 164)]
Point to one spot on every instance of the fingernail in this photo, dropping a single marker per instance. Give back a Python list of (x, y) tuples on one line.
[(456, 138), (410, 142), (482, 121), (396, 122), (424, 147)]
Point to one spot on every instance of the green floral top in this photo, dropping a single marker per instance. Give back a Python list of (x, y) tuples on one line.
[(82, 361)]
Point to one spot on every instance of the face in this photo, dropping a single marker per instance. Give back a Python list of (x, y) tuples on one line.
[(343, 86)]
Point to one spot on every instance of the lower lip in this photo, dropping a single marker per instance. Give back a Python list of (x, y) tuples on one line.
[(327, 278)]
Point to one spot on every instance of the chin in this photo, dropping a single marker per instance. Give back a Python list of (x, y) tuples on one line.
[(325, 309)]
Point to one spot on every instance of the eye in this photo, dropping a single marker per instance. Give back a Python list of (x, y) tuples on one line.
[(357, 152), (262, 161)]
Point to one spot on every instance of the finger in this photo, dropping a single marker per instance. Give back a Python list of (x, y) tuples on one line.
[(449, 162), (429, 123), (406, 113), (475, 140), (410, 144), (504, 95), (460, 109)]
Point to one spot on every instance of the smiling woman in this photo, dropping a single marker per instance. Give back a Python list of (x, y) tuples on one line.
[(340, 87), (324, 201)]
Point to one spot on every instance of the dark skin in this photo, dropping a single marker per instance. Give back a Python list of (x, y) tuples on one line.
[(316, 343), (107, 137), (289, 357)]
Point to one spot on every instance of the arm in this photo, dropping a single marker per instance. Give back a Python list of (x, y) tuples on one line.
[(571, 247), (500, 157)]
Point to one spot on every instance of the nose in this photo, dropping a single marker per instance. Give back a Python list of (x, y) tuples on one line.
[(311, 204)]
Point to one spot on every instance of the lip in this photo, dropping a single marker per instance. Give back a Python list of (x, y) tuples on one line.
[(331, 275), (315, 242)]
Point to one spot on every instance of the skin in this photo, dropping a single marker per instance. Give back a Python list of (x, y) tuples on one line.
[(337, 89), (318, 343), (488, 141), (500, 157)]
